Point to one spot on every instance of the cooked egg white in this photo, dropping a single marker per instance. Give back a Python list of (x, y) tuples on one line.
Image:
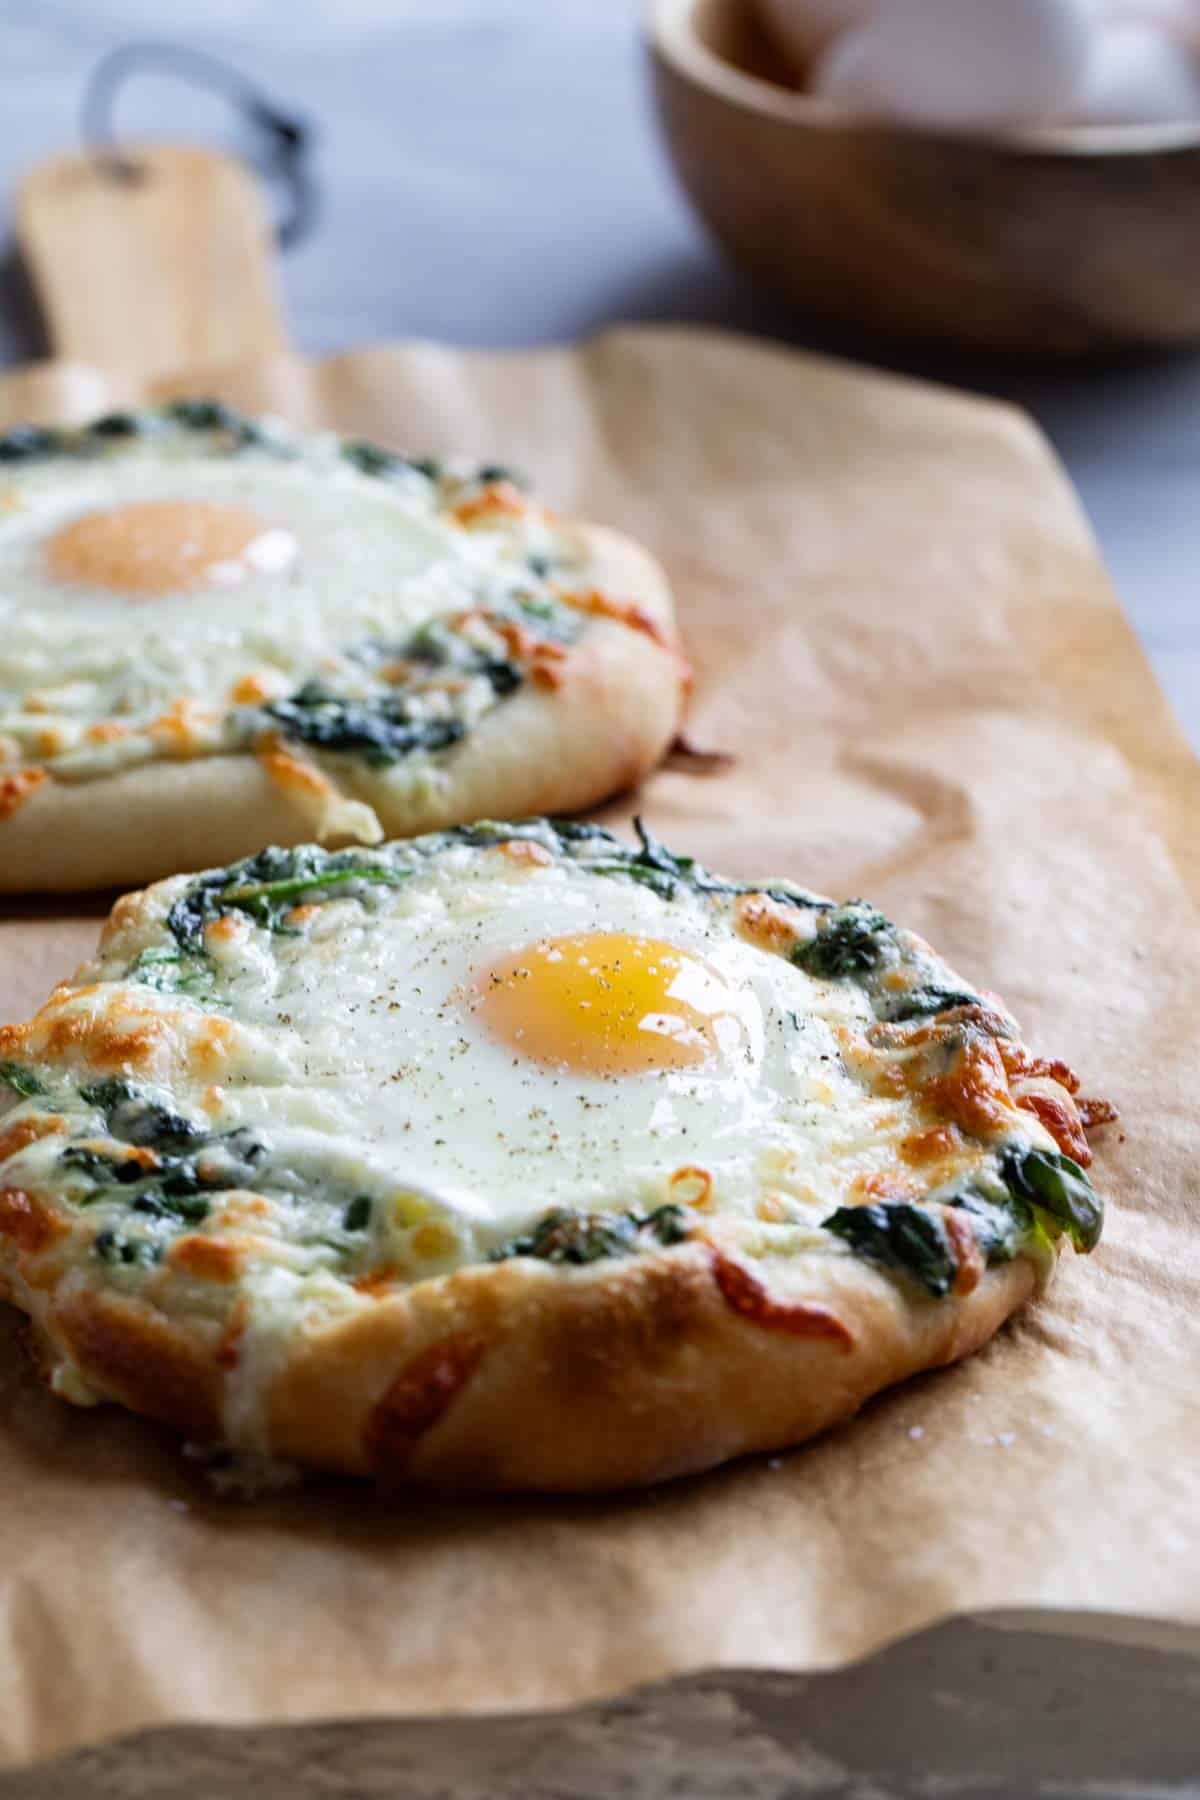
[(490, 1045), (163, 573)]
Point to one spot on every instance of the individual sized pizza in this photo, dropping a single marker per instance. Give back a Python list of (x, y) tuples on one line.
[(215, 634), (515, 1157)]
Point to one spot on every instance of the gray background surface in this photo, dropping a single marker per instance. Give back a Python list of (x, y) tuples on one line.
[(490, 174)]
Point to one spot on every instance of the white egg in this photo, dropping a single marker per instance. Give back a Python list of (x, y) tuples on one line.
[(1180, 17), (1138, 75), (961, 63), (800, 28)]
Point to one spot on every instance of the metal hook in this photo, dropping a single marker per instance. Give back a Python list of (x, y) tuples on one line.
[(288, 139)]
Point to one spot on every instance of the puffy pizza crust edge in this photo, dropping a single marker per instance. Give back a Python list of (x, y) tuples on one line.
[(525, 1376)]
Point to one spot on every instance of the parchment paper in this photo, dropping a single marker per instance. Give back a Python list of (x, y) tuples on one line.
[(902, 632)]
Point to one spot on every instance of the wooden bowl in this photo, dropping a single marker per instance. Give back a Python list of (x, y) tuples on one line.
[(1072, 240)]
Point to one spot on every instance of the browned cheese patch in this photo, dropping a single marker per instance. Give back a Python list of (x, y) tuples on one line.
[(417, 1400), (16, 787), (745, 1295)]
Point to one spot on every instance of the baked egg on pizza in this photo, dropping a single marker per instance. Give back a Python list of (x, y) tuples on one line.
[(216, 633), (516, 1157)]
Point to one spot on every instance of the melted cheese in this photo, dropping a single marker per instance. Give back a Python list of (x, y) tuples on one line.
[(386, 1086), (159, 575), (363, 1051)]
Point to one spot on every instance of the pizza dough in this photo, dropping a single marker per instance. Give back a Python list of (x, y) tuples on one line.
[(513, 1156), (215, 635)]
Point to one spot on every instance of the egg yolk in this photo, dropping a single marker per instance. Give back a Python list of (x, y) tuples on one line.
[(606, 1003), (152, 547)]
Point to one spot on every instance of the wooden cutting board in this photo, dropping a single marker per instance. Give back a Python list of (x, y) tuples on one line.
[(142, 268)]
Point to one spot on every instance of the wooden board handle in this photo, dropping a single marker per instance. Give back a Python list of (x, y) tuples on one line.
[(168, 267)]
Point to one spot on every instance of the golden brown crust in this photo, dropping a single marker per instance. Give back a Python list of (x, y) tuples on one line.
[(134, 1354), (604, 724), (573, 1379), (520, 1375)]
